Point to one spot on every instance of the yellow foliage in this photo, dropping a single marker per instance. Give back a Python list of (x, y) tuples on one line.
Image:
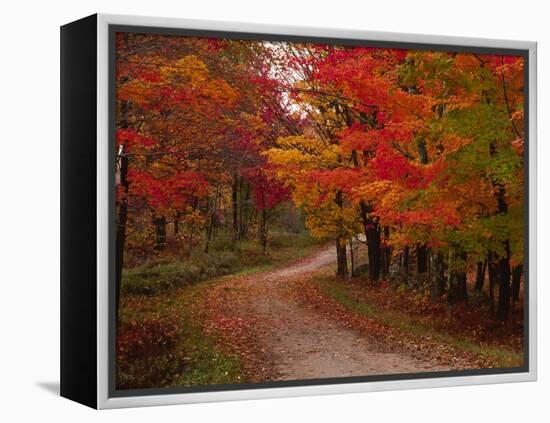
[(304, 153)]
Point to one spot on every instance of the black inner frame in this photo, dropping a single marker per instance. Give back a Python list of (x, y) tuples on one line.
[(113, 29)]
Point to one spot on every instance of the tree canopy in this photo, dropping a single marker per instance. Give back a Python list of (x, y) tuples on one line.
[(408, 151)]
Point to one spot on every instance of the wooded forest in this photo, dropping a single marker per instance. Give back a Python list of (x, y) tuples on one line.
[(407, 165)]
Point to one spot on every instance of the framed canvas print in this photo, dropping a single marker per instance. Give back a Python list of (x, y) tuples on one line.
[(253, 211)]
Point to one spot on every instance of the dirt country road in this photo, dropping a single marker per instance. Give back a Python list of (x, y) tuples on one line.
[(263, 318)]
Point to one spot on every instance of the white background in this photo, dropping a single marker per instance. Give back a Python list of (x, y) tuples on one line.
[(29, 221)]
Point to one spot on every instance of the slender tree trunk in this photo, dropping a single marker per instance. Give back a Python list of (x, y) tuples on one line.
[(492, 271), (210, 227), (503, 261), (372, 235), (480, 275), (383, 263), (457, 279), (387, 251), (177, 223), (422, 258), (341, 257), (244, 209), (503, 273), (405, 265), (400, 264), (263, 230), (191, 240), (160, 233), (122, 218), (421, 249), (234, 206), (463, 286), (385, 254), (516, 280), (504, 291), (341, 254), (351, 257), (437, 275), (122, 212), (442, 280), (374, 251)]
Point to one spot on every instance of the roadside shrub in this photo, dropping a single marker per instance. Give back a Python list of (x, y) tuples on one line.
[(149, 279), (146, 353), (147, 337), (225, 257)]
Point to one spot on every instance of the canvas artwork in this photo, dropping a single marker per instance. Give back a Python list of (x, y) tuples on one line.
[(292, 210)]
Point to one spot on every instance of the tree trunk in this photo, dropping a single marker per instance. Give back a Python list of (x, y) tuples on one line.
[(492, 271), (516, 280), (122, 218), (351, 257), (421, 249), (383, 263), (480, 275), (263, 230), (385, 254), (210, 226), (209, 233), (457, 279), (503, 272), (374, 251), (177, 223), (234, 206), (122, 212), (422, 258), (244, 209), (387, 251), (341, 255), (160, 233), (503, 262), (372, 235), (191, 240), (442, 281), (405, 265), (437, 274)]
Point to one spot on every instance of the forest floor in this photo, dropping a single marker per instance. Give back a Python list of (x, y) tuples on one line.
[(283, 327)]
